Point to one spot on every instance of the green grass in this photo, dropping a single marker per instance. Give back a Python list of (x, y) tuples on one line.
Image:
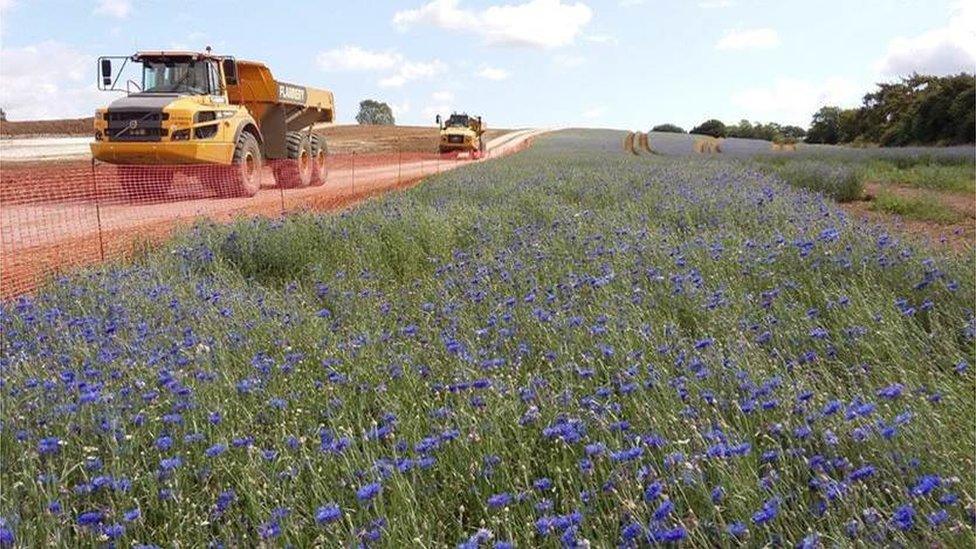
[(923, 207), (704, 304), (939, 177)]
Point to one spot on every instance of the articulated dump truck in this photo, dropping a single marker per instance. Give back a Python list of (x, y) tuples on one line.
[(200, 108), (462, 134)]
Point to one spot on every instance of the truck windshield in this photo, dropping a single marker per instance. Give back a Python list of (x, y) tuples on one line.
[(170, 76), (457, 120)]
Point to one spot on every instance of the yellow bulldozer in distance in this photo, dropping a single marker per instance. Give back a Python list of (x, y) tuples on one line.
[(462, 134), (201, 108)]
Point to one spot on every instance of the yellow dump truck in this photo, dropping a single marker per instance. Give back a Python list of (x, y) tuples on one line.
[(462, 134), (201, 108)]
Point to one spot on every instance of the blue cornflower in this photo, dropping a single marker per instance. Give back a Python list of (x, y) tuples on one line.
[(499, 500), (170, 464), (91, 518), (368, 491), (892, 391), (768, 512), (542, 484), (595, 449), (718, 494), (653, 490), (926, 484), (663, 510), (216, 450), (737, 529), (862, 473), (6, 535), (269, 530), (667, 535), (703, 343), (164, 442), (938, 517), (49, 445), (328, 513), (113, 531), (904, 517), (132, 514), (628, 454)]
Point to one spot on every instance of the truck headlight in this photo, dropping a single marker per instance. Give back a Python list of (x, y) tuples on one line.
[(180, 135)]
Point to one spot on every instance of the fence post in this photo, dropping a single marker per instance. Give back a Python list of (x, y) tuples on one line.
[(98, 213), (354, 173), (399, 159), (281, 190)]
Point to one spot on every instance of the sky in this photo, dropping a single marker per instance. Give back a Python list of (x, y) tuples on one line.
[(518, 63)]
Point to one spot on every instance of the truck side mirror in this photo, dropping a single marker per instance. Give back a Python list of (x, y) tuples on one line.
[(106, 72), (230, 72), (438, 120)]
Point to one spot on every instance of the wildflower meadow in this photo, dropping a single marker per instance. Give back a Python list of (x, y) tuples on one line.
[(569, 346)]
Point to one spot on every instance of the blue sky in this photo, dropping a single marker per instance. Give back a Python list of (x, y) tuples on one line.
[(608, 63)]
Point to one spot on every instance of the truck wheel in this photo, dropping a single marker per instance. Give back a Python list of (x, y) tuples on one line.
[(320, 166), (246, 174), (144, 183), (297, 170)]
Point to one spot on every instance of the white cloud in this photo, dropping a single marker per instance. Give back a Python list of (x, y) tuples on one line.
[(568, 61), (7, 4), (399, 70), (535, 23), (601, 39), (400, 109), (443, 96), (355, 58), (493, 73), (413, 70), (712, 4), (48, 80), (946, 50), (594, 112), (119, 9), (748, 39), (431, 111), (792, 100)]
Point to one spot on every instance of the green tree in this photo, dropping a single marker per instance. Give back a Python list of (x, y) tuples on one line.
[(712, 127), (743, 129), (795, 133), (824, 126), (668, 128), (375, 113)]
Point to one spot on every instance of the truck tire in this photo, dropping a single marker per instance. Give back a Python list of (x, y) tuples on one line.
[(297, 170), (246, 172), (320, 155), (144, 183)]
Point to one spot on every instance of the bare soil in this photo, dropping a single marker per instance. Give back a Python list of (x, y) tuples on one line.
[(378, 139), (48, 128), (956, 236)]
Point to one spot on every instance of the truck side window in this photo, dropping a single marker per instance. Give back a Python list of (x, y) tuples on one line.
[(214, 78)]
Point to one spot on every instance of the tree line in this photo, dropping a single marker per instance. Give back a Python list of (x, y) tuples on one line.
[(918, 110), (770, 131)]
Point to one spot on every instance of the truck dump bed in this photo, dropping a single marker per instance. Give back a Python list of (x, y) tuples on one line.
[(278, 107)]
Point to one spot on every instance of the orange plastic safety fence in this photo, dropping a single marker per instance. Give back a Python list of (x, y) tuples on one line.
[(55, 217)]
